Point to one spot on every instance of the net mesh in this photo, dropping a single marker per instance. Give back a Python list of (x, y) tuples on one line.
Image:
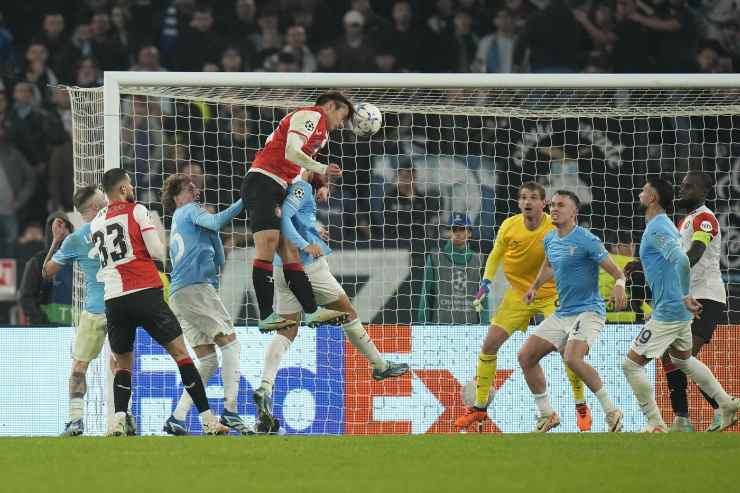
[(469, 150)]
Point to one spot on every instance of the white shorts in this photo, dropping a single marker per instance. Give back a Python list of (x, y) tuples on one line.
[(325, 287), (558, 330), (89, 337), (656, 337), (201, 313)]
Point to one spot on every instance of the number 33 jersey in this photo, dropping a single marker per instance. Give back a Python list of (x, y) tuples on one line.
[(125, 263)]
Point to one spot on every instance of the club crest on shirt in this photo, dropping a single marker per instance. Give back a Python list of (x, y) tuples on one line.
[(572, 249), (706, 226)]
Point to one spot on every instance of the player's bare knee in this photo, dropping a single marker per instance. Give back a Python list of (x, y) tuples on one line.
[(224, 339), (203, 350), (495, 338), (526, 358), (266, 243), (176, 349)]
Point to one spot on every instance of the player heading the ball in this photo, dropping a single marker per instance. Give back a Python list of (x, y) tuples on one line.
[(290, 147)]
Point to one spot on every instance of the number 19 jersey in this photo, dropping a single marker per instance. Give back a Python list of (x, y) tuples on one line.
[(125, 263)]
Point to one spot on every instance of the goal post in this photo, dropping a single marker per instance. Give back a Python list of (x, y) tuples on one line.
[(471, 140)]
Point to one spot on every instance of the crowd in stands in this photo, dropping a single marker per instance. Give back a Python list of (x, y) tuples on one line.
[(47, 43)]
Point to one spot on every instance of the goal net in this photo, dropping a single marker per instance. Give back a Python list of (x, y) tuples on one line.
[(450, 148)]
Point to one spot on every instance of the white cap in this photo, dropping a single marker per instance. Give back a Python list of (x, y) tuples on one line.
[(354, 17)]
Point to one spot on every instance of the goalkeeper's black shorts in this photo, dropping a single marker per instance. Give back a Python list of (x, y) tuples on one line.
[(263, 199)]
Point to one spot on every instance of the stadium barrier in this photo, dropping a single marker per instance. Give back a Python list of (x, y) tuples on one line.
[(324, 385)]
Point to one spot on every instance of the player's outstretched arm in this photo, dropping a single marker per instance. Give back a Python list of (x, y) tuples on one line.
[(619, 292), (215, 222), (544, 275)]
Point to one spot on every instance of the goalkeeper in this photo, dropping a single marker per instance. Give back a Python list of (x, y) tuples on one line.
[(519, 245)]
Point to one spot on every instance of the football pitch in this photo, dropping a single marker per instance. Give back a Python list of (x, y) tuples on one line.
[(491, 462)]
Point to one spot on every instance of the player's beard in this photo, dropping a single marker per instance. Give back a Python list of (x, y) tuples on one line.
[(687, 204)]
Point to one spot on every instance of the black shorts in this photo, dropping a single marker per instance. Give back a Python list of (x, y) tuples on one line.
[(145, 309), (712, 313), (263, 199)]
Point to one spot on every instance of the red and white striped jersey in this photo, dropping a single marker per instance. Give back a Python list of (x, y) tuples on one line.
[(706, 277), (310, 123), (125, 263)]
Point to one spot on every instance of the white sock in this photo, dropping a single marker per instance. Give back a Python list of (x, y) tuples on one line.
[(606, 403), (360, 339), (279, 345), (230, 373), (543, 404), (704, 378), (643, 391), (206, 416), (206, 366), (76, 408)]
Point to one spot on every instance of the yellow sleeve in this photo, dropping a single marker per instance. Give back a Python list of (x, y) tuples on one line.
[(496, 255)]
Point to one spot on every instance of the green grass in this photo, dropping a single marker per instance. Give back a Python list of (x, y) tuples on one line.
[(504, 463)]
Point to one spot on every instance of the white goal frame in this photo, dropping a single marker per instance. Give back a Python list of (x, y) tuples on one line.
[(115, 79)]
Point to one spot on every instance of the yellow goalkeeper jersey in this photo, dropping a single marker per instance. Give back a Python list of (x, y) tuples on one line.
[(522, 252)]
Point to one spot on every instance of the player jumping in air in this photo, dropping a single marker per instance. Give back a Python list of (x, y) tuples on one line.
[(668, 274), (126, 241), (519, 246), (290, 147), (299, 227), (197, 255), (572, 256), (91, 328)]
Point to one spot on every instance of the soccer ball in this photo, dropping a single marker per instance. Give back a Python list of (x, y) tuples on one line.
[(467, 394), (367, 120)]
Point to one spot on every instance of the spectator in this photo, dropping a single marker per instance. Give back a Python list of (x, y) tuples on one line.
[(210, 67), (520, 11), (629, 51), (17, 183), (231, 60), (496, 51), (148, 60), (326, 59), (601, 29), (295, 43), (407, 211), (451, 279), (464, 43), (88, 74), (554, 39), (676, 40), (4, 106), (48, 302), (106, 47), (268, 40), (38, 72), (200, 42), (120, 18), (82, 45), (441, 22), (376, 27), (7, 48), (286, 62), (176, 17), (406, 41), (304, 17), (707, 58), (61, 52), (61, 163), (354, 52), (385, 60), (243, 28)]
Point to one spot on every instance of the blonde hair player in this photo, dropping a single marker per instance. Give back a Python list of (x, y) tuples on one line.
[(519, 246)]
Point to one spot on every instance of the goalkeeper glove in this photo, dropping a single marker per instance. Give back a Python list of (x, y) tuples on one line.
[(481, 295)]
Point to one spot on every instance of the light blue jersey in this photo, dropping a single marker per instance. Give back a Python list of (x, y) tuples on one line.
[(667, 269), (78, 247), (299, 221), (575, 260), (196, 249)]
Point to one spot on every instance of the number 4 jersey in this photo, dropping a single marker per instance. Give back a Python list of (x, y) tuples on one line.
[(706, 277), (125, 263)]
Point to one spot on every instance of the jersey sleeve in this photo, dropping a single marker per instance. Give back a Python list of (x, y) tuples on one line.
[(670, 249), (705, 227), (67, 253), (595, 249), (497, 254), (304, 123), (142, 217)]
